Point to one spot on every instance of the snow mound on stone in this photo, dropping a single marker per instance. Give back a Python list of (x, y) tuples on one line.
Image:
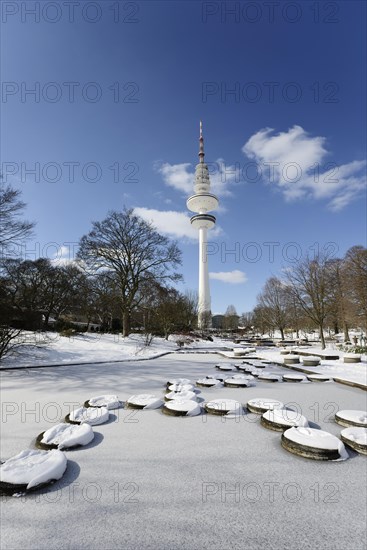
[(286, 417), (181, 395), (209, 382), (68, 435), (181, 387), (311, 437), (178, 381), (266, 403), (108, 401), (33, 468), (184, 405), (355, 434), (90, 415), (228, 406), (237, 382), (355, 417), (145, 401)]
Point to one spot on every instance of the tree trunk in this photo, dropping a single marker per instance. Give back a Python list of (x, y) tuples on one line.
[(346, 333), (282, 333), (322, 337), (125, 323)]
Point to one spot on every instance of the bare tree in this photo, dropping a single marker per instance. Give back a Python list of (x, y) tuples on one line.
[(13, 228), (310, 282), (274, 300), (130, 248), (354, 277)]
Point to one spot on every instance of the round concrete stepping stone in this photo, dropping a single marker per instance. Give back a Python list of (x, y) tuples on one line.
[(108, 401), (356, 438), (182, 407), (350, 418), (178, 381), (144, 401), (65, 436), (282, 419), (182, 395), (31, 469), (180, 387), (223, 407), (262, 404), (291, 359), (237, 383), (352, 358), (314, 444), (310, 361), (88, 415), (293, 378), (319, 378), (224, 367), (269, 377), (208, 383)]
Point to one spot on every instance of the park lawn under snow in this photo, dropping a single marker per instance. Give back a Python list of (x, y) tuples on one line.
[(54, 349), (149, 481)]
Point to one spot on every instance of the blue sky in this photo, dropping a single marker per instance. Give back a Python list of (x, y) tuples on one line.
[(287, 147)]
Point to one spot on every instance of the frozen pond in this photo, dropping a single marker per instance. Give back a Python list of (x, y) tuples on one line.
[(150, 481)]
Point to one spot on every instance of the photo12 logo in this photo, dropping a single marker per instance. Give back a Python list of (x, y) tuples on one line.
[(70, 11)]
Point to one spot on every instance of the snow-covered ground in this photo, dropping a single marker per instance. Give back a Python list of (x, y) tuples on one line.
[(351, 372), (157, 482), (54, 349)]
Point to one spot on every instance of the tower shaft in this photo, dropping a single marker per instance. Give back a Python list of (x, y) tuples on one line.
[(203, 202)]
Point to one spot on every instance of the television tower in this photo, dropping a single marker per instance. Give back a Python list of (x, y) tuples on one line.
[(203, 202)]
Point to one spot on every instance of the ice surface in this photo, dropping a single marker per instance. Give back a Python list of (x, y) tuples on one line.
[(68, 435), (33, 468)]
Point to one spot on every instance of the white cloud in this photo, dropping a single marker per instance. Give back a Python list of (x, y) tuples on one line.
[(232, 277), (64, 255), (172, 223), (182, 176), (298, 167)]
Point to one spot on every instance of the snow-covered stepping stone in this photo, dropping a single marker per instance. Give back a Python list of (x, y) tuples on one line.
[(224, 367), (180, 387), (108, 401), (208, 382), (31, 470), (262, 404), (144, 401), (237, 383), (182, 407), (223, 406), (311, 361), (183, 395), (352, 358), (356, 438), (319, 378), (244, 368), (65, 436), (88, 415), (315, 444), (282, 419), (291, 359), (293, 378), (269, 377), (351, 418), (180, 381)]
